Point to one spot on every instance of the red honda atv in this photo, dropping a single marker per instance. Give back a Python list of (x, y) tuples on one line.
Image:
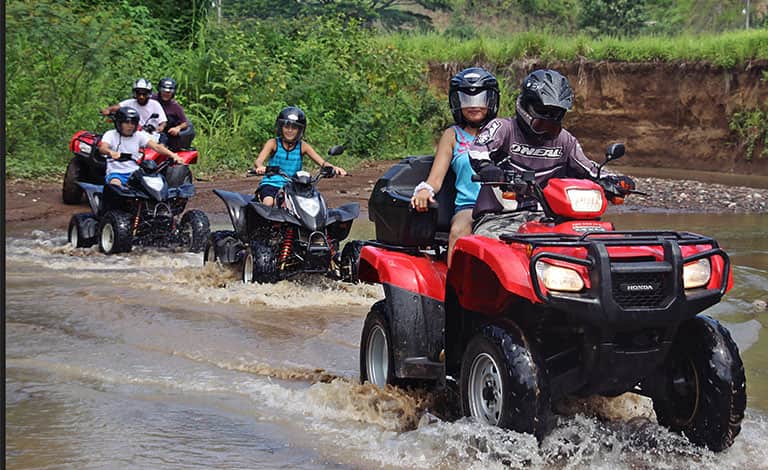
[(565, 306), (89, 166)]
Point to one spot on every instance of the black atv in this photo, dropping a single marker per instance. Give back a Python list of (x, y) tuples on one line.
[(299, 234), (144, 212)]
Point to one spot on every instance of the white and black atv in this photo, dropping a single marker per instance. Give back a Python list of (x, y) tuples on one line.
[(299, 234), (146, 211)]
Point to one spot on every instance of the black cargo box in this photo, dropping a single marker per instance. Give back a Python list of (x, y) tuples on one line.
[(389, 206)]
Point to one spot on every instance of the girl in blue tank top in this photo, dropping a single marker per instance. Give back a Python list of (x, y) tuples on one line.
[(473, 95), (287, 151)]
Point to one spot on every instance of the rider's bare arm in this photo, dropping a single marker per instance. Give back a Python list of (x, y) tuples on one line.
[(269, 148), (440, 165), (105, 150), (110, 109), (163, 150), (310, 151)]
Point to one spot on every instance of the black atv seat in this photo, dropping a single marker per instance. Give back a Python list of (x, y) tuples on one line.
[(389, 206)]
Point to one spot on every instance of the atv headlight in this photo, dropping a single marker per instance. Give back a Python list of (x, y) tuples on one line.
[(585, 200), (696, 274), (154, 182), (559, 278), (310, 205)]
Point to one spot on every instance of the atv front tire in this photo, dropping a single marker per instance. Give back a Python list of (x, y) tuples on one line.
[(259, 264), (115, 233), (83, 229), (71, 193), (703, 392), (350, 258), (504, 383), (194, 229)]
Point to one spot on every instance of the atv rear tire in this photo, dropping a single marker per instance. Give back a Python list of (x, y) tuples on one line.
[(350, 259), (703, 392), (504, 383), (259, 264), (71, 193), (194, 229), (115, 233), (83, 229), (377, 364)]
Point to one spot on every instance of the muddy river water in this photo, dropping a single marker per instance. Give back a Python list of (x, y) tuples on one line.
[(150, 360)]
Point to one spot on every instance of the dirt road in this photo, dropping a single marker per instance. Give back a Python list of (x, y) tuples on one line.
[(37, 204)]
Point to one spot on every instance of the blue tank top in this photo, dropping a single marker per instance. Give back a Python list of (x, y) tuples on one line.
[(289, 162), (466, 189)]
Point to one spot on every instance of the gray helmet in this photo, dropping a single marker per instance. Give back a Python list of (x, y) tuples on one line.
[(472, 82), (142, 84), (293, 115), (167, 84), (126, 114), (544, 99)]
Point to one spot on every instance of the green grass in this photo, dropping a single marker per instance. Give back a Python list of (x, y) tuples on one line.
[(724, 50)]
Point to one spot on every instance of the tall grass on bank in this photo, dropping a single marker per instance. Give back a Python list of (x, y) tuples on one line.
[(724, 50)]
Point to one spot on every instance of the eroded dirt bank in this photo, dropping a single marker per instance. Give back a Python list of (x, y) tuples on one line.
[(672, 115)]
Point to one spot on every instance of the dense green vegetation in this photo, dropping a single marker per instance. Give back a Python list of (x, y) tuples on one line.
[(65, 60)]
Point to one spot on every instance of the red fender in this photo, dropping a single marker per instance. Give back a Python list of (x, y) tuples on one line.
[(420, 273), (189, 156), (488, 273)]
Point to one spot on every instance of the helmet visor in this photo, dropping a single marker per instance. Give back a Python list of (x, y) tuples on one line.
[(541, 111), (479, 100)]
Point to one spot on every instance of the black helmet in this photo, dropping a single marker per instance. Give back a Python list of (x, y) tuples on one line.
[(142, 84), (293, 115), (126, 114), (544, 99), (167, 84), (472, 82)]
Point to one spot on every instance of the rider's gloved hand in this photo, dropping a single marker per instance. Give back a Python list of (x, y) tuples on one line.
[(490, 173), (622, 183)]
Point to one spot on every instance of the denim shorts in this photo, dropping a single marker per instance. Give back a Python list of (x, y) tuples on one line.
[(123, 177), (267, 190)]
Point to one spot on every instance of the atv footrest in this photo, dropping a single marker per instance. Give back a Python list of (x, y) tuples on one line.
[(422, 368)]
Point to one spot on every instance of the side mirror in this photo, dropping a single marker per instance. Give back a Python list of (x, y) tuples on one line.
[(614, 151), (336, 150)]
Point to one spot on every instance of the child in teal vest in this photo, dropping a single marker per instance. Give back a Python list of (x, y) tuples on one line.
[(286, 151)]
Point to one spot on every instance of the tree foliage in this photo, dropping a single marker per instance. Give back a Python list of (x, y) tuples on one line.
[(612, 17), (388, 14)]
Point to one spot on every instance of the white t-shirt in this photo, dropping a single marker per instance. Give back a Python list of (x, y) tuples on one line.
[(122, 144), (152, 107)]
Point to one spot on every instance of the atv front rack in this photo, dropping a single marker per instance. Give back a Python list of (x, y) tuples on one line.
[(647, 291)]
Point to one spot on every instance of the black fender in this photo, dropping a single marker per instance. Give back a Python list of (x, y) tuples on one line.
[(95, 194), (274, 214), (344, 213), (235, 203), (416, 324)]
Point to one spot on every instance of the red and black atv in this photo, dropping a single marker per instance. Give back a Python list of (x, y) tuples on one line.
[(565, 306), (89, 166)]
